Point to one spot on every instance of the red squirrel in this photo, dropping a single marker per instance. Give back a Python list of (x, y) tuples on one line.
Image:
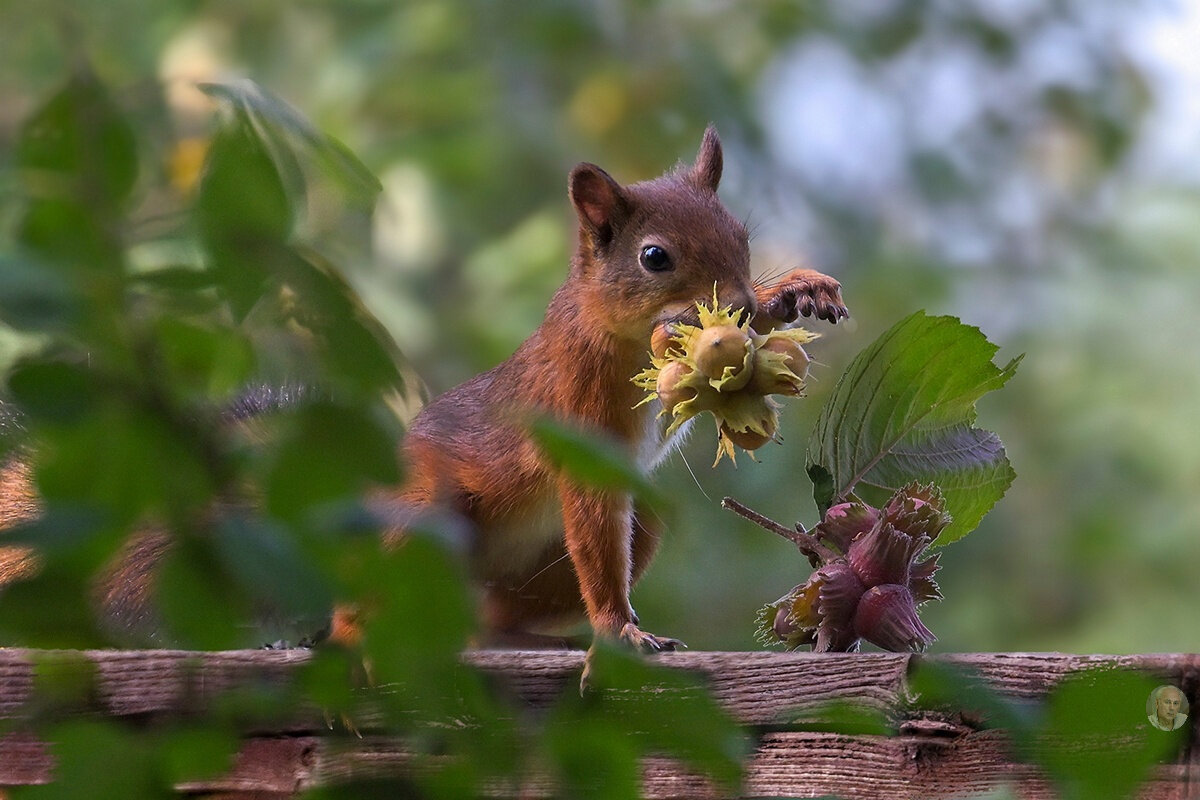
[(549, 550)]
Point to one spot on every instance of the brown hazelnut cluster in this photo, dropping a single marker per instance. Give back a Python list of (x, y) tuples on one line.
[(724, 367), (870, 577)]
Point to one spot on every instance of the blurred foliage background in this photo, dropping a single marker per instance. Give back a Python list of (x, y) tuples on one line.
[(1027, 166)]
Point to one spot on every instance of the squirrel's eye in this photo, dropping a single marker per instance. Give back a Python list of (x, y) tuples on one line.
[(655, 259)]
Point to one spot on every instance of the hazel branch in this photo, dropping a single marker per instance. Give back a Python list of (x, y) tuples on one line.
[(808, 544)]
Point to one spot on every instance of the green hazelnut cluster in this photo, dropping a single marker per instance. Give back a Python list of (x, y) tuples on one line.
[(724, 367)]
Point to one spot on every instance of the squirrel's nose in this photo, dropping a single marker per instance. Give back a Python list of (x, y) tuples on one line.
[(743, 299)]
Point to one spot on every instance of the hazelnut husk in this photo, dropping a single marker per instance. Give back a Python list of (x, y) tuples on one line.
[(871, 580), (724, 367)]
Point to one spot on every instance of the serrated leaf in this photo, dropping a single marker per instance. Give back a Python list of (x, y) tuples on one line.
[(905, 410)]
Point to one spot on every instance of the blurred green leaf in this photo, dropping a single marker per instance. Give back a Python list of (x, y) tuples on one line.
[(52, 609), (126, 462), (61, 528), (324, 311), (331, 453), (634, 708), (270, 568), (64, 682), (243, 213), (71, 235), (274, 120), (80, 146), (33, 296), (590, 457), (594, 760), (960, 690), (197, 752), (903, 411), (1095, 742), (77, 157), (204, 360), (201, 607), (242, 197), (55, 391), (421, 617), (100, 760), (177, 279), (842, 717)]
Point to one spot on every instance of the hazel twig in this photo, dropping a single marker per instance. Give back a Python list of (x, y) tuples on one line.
[(808, 544)]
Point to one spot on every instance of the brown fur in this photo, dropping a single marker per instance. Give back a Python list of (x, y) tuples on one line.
[(19, 503)]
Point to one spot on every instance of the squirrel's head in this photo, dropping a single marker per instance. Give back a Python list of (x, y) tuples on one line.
[(649, 251)]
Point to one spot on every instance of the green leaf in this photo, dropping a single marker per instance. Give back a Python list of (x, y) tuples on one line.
[(200, 752), (77, 157), (201, 607), (242, 196), (423, 617), (101, 760), (595, 761), (54, 391), (589, 457), (204, 360), (79, 145), (905, 410), (354, 348), (64, 682), (68, 234), (1096, 743), (955, 689), (33, 296), (332, 453), (654, 711), (53, 609), (270, 568), (274, 118), (125, 462)]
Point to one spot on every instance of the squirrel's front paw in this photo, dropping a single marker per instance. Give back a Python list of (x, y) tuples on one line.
[(802, 292), (647, 642), (630, 634)]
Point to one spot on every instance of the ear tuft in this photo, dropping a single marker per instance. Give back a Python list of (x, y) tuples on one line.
[(709, 161), (599, 201)]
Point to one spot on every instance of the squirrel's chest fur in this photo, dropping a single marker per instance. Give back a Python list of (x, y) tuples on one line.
[(531, 534)]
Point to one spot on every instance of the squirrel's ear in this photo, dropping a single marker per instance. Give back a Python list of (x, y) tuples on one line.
[(599, 201), (707, 170)]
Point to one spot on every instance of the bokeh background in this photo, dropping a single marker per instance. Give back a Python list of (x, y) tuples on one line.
[(1031, 167)]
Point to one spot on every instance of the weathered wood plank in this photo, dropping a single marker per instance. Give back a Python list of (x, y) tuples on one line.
[(135, 682), (759, 688), (930, 756), (785, 765)]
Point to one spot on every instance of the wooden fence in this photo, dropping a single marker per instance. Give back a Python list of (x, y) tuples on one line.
[(928, 755)]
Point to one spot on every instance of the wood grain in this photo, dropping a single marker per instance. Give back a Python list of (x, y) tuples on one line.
[(781, 697)]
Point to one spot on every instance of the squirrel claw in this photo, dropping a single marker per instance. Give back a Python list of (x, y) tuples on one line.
[(647, 642), (804, 293), (635, 637)]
